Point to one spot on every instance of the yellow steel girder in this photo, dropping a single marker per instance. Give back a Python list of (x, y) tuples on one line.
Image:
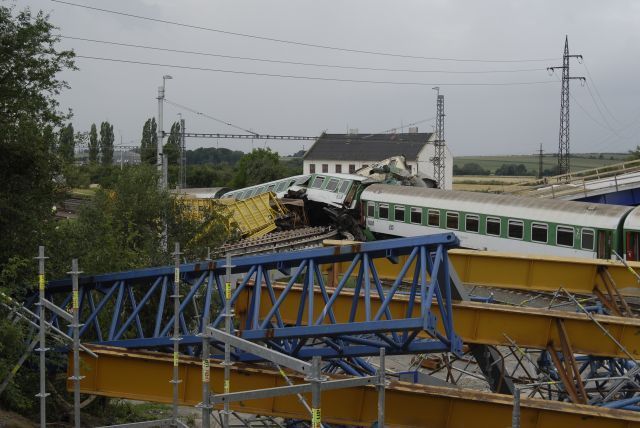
[(145, 376), (521, 272), (480, 323)]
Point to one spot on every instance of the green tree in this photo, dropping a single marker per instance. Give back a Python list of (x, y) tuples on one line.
[(172, 149), (94, 147), (106, 143), (257, 167), (67, 144), (30, 66), (149, 142)]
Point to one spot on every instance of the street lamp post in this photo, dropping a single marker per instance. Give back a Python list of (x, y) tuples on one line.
[(161, 161)]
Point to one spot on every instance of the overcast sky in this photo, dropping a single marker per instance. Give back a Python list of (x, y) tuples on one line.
[(479, 119)]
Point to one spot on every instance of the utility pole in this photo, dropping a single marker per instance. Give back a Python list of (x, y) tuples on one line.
[(161, 161), (439, 155), (564, 166), (540, 162)]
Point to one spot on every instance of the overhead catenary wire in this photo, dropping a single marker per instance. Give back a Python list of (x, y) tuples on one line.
[(199, 113), (318, 78), (288, 62), (598, 93), (293, 42)]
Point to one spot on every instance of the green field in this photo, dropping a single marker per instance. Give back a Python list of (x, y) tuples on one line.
[(579, 161)]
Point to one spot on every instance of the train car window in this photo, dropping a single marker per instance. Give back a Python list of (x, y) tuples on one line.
[(493, 226), (416, 215), (383, 211), (317, 182), (539, 232), (343, 187), (371, 209), (433, 218), (587, 239), (452, 220), (472, 223), (398, 213), (516, 229), (564, 236), (281, 186), (332, 185), (250, 193), (270, 188)]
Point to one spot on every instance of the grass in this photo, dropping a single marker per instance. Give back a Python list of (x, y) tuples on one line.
[(578, 161)]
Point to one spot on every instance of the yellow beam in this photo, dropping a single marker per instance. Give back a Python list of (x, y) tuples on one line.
[(482, 323), (520, 272), (145, 376)]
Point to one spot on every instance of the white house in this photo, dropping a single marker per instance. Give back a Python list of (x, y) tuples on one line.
[(345, 153)]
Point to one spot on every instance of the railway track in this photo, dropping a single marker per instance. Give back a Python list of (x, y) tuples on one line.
[(289, 240)]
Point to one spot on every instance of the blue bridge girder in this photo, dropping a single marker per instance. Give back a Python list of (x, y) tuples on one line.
[(131, 309)]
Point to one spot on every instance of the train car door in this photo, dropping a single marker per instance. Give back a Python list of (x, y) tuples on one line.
[(632, 246), (604, 244)]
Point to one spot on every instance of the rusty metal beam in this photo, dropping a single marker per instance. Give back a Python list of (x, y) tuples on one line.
[(489, 324), (532, 273), (145, 376)]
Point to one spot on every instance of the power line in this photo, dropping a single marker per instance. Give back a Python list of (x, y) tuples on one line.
[(292, 42), (309, 64), (393, 129), (328, 79), (598, 93), (208, 116)]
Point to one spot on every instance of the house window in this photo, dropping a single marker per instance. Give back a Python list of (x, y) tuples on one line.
[(493, 226), (587, 239), (472, 223), (398, 213), (338, 168), (564, 236), (452, 220), (433, 218), (312, 168), (352, 168), (416, 215), (325, 167), (410, 168), (539, 232), (383, 211), (516, 229)]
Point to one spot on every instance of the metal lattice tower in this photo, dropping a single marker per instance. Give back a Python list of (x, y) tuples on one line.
[(564, 166), (439, 155)]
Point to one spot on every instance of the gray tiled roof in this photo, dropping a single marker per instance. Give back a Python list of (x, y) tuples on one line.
[(367, 147)]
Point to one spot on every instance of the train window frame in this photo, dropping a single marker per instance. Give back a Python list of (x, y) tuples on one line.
[(250, 193), (380, 208), (396, 210), (566, 229), (544, 226), (344, 187), (415, 210), (320, 179), (281, 186), (270, 188), (515, 222), (433, 212), (371, 209), (457, 217), (330, 182), (468, 217), (593, 239), (493, 220)]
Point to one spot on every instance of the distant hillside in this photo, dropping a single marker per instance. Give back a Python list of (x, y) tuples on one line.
[(579, 161)]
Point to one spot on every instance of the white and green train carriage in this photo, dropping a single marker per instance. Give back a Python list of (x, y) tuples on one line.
[(500, 222)]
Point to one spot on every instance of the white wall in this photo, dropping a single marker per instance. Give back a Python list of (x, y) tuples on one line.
[(331, 164)]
